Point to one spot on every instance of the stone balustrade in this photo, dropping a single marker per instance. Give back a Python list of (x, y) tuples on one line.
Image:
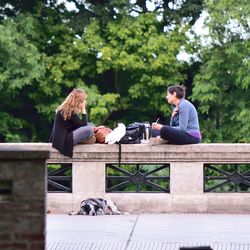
[(186, 177)]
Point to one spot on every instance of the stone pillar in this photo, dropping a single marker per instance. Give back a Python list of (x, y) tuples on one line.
[(186, 187), (186, 178), (88, 181), (88, 178), (23, 186)]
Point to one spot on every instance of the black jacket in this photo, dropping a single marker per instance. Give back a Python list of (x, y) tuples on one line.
[(62, 132)]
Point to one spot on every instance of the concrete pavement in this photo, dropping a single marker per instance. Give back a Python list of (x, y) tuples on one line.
[(148, 231)]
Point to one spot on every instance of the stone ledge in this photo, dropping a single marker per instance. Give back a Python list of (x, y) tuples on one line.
[(207, 153), (19, 151)]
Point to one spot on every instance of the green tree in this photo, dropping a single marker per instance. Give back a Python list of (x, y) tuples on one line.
[(36, 76), (20, 65), (122, 54), (222, 85), (143, 61), (129, 59)]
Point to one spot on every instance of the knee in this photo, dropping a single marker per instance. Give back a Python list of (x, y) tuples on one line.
[(164, 132), (89, 131)]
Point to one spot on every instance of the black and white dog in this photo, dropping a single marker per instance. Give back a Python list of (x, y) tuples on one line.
[(97, 206)]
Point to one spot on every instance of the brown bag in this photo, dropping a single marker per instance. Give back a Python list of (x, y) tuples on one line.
[(100, 133)]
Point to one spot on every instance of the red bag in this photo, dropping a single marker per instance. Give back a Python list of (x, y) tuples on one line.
[(100, 133)]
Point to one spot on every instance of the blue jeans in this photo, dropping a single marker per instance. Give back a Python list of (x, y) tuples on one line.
[(82, 133)]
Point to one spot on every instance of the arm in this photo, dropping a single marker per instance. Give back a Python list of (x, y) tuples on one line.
[(174, 113), (157, 126), (80, 122), (183, 117)]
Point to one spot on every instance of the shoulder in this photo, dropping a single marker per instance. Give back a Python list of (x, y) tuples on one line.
[(59, 117), (58, 114), (186, 105)]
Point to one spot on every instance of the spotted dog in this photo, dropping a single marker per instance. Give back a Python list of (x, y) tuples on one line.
[(97, 206)]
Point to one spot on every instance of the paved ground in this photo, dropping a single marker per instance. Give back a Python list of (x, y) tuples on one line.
[(148, 232)]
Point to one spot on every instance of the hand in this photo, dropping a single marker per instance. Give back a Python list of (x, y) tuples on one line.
[(156, 126), (83, 106), (175, 111)]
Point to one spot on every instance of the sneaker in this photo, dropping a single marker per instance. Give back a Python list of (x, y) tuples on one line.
[(157, 141)]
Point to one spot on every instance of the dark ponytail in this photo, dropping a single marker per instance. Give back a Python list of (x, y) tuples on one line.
[(180, 90)]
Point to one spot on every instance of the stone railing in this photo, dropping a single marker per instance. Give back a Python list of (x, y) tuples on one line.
[(186, 177), (22, 196)]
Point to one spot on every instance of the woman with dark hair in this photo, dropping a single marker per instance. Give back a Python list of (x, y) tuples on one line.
[(184, 124), (68, 129)]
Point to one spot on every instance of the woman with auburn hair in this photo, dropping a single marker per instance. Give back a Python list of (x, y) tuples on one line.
[(68, 129), (184, 124)]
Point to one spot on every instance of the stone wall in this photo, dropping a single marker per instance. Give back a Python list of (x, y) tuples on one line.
[(88, 173), (186, 178), (22, 197)]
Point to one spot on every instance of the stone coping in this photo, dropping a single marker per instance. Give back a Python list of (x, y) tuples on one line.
[(202, 147), (207, 153), (22, 151)]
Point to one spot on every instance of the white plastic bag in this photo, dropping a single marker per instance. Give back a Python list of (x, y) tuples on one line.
[(116, 134)]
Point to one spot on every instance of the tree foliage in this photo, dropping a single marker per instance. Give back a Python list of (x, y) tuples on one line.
[(124, 55), (20, 66), (222, 85)]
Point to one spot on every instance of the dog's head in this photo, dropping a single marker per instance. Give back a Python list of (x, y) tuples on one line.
[(88, 209), (98, 206), (91, 207)]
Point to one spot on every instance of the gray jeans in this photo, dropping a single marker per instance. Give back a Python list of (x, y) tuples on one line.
[(82, 134)]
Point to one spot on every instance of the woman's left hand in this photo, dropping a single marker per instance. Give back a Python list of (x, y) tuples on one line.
[(156, 126)]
